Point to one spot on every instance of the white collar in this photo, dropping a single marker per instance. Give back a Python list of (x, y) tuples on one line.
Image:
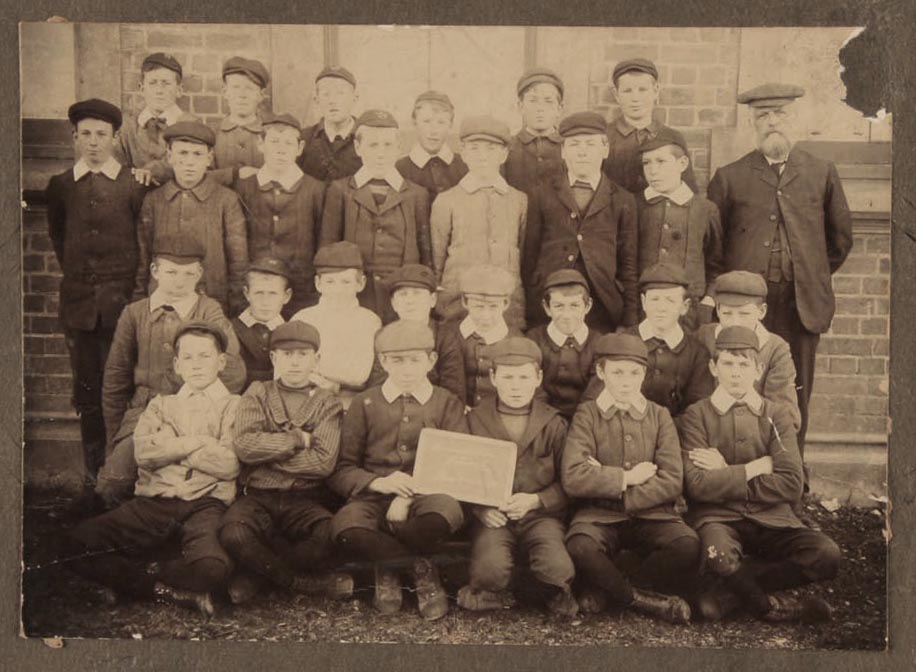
[(772, 161), (392, 177), (110, 169), (348, 129), (183, 307), (391, 391), (471, 183), (722, 401), (497, 333), (250, 320), (605, 401), (559, 338), (171, 115), (215, 391), (763, 334), (287, 179), (421, 157), (681, 194), (593, 181), (672, 340)]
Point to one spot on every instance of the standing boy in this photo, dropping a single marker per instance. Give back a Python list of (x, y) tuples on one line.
[(237, 151), (329, 152)]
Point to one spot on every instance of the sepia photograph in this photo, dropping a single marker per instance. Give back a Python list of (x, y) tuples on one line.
[(415, 334)]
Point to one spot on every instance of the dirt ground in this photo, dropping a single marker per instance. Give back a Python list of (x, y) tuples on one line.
[(57, 603)]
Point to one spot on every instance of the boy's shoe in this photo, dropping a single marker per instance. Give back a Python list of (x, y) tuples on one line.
[(431, 598), (481, 600), (388, 597), (336, 585), (718, 603), (592, 601), (809, 609), (185, 598), (564, 605), (243, 587), (667, 607)]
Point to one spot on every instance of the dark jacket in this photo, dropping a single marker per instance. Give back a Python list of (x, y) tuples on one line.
[(254, 345), (564, 385), (325, 160), (532, 160), (624, 162), (436, 176)]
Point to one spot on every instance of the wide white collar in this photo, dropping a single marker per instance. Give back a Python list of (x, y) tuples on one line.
[(605, 401), (422, 394), (681, 194), (392, 177), (171, 115), (250, 320), (286, 179), (672, 339), (593, 180), (559, 338), (722, 401), (345, 133), (215, 391), (471, 183), (421, 157), (497, 333), (183, 307), (110, 169)]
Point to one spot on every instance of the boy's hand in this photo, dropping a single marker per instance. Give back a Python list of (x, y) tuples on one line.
[(143, 176), (398, 510), (490, 517), (396, 483), (707, 458), (247, 171), (762, 466), (519, 504), (306, 438), (593, 462), (639, 474)]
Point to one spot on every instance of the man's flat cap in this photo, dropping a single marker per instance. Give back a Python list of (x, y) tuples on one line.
[(178, 249), (538, 76), (515, 350), (295, 334), (643, 65), (663, 275), (486, 280), (377, 119), (338, 256), (271, 119), (737, 288), (565, 276), (737, 338), (582, 123), (271, 266), (161, 60), (771, 94), (434, 97), (665, 136), (484, 128), (253, 70), (191, 131), (412, 275), (95, 108), (338, 72), (404, 335), (202, 325), (622, 346)]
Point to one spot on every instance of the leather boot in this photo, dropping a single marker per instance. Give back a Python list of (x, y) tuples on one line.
[(243, 587), (718, 603), (432, 601), (563, 605), (185, 598), (481, 600), (667, 607), (592, 601), (388, 597), (808, 609), (336, 585)]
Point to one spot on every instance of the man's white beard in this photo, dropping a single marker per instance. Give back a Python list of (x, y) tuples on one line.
[(776, 146)]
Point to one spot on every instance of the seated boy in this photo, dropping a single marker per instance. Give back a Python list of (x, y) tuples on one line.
[(384, 214), (266, 291), (237, 150), (140, 362), (347, 329), (193, 205), (329, 154), (186, 478), (283, 208), (742, 476), (479, 221), (377, 451), (532, 518), (431, 163), (287, 435), (622, 467), (567, 344)]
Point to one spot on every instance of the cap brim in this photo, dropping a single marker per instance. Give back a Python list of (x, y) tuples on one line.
[(628, 358), (730, 299), (412, 283), (516, 360), (485, 136), (770, 102), (177, 259), (294, 345)]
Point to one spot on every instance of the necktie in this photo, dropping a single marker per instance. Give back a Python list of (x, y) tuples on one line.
[(154, 128), (777, 167), (582, 192), (570, 342)]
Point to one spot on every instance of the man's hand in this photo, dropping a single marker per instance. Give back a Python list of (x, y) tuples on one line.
[(707, 458), (762, 466), (398, 510), (639, 474), (396, 483), (489, 516), (519, 504), (247, 171), (143, 176)]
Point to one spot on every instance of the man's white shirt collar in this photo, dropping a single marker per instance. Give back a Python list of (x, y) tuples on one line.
[(392, 177), (171, 115), (605, 401), (497, 333), (287, 179), (215, 391), (110, 169), (681, 194), (782, 162), (722, 401), (250, 320), (559, 338), (421, 157), (763, 334), (391, 391), (593, 181), (471, 183), (183, 307), (347, 130), (671, 339)]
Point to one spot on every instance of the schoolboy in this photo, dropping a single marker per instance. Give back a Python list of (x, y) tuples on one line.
[(676, 225), (346, 328), (384, 214), (431, 162), (193, 205), (580, 219), (287, 436), (141, 145), (743, 474), (186, 478), (237, 151), (534, 152), (329, 150), (96, 249), (140, 363), (532, 518), (566, 342), (378, 447), (636, 89), (267, 292), (283, 207), (622, 467)]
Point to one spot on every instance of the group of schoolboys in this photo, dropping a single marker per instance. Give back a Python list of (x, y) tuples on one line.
[(621, 404)]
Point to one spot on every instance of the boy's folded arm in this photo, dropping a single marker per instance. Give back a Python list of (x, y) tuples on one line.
[(668, 482), (155, 443), (319, 456), (214, 458), (707, 485), (253, 444), (786, 483), (580, 477)]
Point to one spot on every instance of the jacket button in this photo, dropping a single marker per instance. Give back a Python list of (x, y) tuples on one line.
[(664, 250), (276, 192), (627, 438), (572, 215), (276, 218), (779, 192), (579, 237), (377, 277), (766, 243), (403, 448), (772, 218), (406, 419), (626, 465), (571, 258), (665, 226)]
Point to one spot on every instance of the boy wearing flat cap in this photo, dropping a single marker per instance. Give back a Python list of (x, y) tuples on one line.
[(532, 518), (186, 479), (287, 436), (582, 220), (96, 249), (378, 447), (141, 145), (384, 214), (193, 205), (479, 221), (635, 88), (329, 150), (742, 476), (283, 207), (534, 152), (622, 469), (677, 226), (140, 363), (431, 163)]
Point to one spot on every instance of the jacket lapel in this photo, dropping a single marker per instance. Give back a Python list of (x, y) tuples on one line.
[(541, 414), (275, 404), (565, 194), (489, 417), (394, 199), (363, 196), (790, 172), (601, 199), (764, 172)]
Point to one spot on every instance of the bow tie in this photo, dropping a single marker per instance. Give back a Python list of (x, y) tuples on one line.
[(582, 184), (160, 122), (571, 343), (168, 307)]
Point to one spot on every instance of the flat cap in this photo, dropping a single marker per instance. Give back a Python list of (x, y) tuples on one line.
[(295, 334), (737, 338), (377, 119), (643, 65), (178, 249), (412, 275), (202, 325), (191, 131), (516, 350), (622, 346), (338, 72), (434, 97), (486, 280), (271, 119), (538, 76), (737, 288), (95, 108), (403, 335), (484, 128), (161, 60), (565, 276), (662, 275), (582, 123), (338, 256), (270, 265), (665, 136), (252, 69), (770, 95)]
